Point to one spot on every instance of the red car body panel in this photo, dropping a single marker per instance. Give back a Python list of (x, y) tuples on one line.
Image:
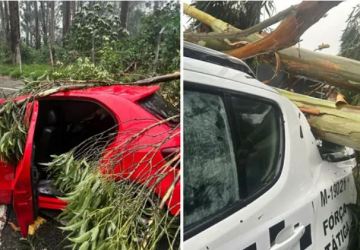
[(6, 182), (121, 101), (23, 193), (47, 202)]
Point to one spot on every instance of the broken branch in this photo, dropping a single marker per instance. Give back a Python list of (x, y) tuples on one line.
[(239, 35), (331, 122), (289, 31), (157, 79), (333, 70)]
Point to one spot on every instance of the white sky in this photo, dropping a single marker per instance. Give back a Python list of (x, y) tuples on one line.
[(327, 30)]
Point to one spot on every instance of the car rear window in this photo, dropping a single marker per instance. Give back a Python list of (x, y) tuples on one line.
[(160, 108)]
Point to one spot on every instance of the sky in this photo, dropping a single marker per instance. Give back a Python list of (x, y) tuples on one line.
[(327, 30)]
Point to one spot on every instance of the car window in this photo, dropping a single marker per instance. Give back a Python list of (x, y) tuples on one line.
[(258, 143), (231, 152), (159, 107), (210, 167)]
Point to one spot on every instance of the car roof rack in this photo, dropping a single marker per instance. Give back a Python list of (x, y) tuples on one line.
[(212, 56)]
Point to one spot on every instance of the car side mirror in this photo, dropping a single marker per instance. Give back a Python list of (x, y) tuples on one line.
[(332, 152)]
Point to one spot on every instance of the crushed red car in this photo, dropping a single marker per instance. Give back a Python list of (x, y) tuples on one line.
[(61, 121)]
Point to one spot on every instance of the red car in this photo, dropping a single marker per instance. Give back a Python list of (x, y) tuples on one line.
[(63, 120)]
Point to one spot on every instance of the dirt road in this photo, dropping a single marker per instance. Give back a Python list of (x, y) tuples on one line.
[(9, 85)]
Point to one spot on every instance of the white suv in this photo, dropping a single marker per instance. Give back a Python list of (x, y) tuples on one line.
[(253, 175)]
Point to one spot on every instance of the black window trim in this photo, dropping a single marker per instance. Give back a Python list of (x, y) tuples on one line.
[(225, 94), (142, 103)]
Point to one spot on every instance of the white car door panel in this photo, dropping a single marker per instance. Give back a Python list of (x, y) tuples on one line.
[(301, 208)]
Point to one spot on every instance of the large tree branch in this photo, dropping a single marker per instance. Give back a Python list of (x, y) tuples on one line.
[(335, 123), (289, 31), (215, 24), (239, 35), (334, 70), (158, 79)]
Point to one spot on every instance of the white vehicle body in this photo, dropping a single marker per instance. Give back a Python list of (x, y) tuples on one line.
[(304, 208)]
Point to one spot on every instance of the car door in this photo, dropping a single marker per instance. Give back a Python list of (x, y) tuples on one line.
[(7, 171), (333, 216), (234, 148), (6, 177), (23, 200)]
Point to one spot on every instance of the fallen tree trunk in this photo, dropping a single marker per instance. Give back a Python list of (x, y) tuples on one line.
[(333, 70), (289, 31), (158, 79), (331, 122), (243, 33)]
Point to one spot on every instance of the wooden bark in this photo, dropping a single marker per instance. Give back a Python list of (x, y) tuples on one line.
[(239, 35), (44, 22), (15, 32), (156, 5), (3, 18), (7, 22), (124, 14), (337, 123), (72, 9), (289, 31), (333, 70), (27, 20), (66, 18), (37, 29), (340, 72), (51, 30), (157, 79)]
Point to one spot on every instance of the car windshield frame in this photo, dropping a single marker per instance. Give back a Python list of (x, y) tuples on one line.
[(160, 108)]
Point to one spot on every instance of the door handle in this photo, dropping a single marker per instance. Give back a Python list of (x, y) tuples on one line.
[(291, 241)]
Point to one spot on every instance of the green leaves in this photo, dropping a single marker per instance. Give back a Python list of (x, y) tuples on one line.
[(106, 214), (91, 22), (67, 172), (12, 132), (82, 69)]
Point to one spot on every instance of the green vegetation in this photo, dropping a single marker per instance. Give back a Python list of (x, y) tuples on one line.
[(82, 69), (105, 214), (94, 43), (12, 131), (97, 47), (30, 71)]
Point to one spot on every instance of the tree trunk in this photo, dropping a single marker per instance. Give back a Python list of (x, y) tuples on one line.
[(15, 32), (289, 31), (44, 23), (66, 18), (156, 5), (7, 23), (196, 37), (51, 4), (3, 20), (72, 9), (79, 5), (37, 28), (27, 20), (334, 123), (124, 14), (93, 49), (340, 72), (333, 70)]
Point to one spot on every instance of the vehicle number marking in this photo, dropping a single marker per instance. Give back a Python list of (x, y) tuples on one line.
[(334, 191)]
